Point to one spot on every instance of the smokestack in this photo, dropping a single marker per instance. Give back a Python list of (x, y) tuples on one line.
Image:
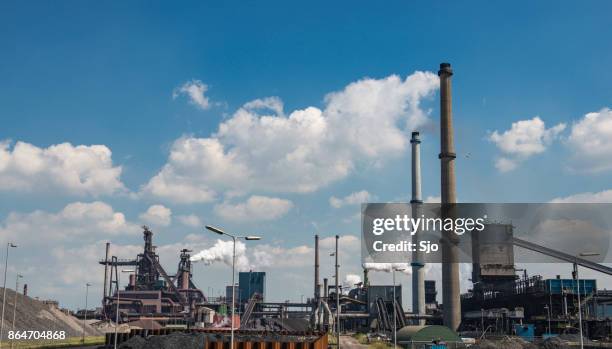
[(317, 285), (450, 266), (325, 288), (132, 280), (418, 272), (185, 280), (106, 271)]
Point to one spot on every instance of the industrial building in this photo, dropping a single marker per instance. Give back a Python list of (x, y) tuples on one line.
[(151, 292), (251, 283)]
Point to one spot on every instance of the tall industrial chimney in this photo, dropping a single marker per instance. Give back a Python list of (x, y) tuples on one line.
[(450, 266), (325, 289), (418, 272), (317, 286), (106, 293)]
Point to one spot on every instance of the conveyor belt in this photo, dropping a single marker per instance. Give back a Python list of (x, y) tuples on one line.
[(562, 256)]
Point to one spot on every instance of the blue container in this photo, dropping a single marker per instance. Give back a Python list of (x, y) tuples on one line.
[(570, 286), (525, 331)]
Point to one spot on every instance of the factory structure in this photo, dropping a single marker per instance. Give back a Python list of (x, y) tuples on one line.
[(503, 300)]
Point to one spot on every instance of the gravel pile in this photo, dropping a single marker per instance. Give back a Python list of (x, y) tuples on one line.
[(33, 315), (505, 343), (175, 340)]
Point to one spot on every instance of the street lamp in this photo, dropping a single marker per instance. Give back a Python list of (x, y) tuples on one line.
[(548, 313), (395, 308), (15, 303), (335, 254), (8, 245), (583, 254), (234, 237), (117, 315), (85, 317)]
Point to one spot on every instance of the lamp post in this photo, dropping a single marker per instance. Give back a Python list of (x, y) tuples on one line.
[(118, 302), (8, 245), (234, 237), (337, 266), (584, 254), (548, 313), (85, 317), (395, 309), (15, 304)]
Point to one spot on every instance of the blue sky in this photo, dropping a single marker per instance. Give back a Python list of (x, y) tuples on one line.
[(105, 73)]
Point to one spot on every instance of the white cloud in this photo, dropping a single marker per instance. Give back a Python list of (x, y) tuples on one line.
[(75, 220), (591, 141), (524, 139), (355, 198), (604, 196), (255, 208), (79, 170), (157, 215), (433, 199), (274, 104), (190, 220), (347, 242), (299, 153), (195, 90)]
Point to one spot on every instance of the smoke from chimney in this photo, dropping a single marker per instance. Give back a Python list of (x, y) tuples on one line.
[(221, 252), (388, 267)]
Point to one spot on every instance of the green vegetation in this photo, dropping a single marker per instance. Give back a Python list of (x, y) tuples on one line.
[(362, 338), (62, 343)]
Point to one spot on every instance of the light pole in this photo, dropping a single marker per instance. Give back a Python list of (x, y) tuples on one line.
[(584, 254), (117, 314), (234, 237), (15, 304), (548, 313), (8, 245), (395, 309), (85, 317), (335, 254)]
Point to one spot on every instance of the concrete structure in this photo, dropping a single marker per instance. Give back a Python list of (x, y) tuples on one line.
[(418, 272), (450, 268), (493, 257)]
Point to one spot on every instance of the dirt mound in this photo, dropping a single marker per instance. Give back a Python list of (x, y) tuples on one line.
[(505, 343), (175, 340), (33, 315)]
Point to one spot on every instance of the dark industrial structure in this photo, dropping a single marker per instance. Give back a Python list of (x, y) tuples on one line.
[(151, 292), (251, 283)]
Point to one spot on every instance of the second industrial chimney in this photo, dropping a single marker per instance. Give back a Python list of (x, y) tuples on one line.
[(418, 272), (450, 267), (317, 285)]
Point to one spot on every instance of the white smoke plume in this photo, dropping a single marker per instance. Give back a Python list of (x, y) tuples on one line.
[(352, 279), (388, 267), (222, 252)]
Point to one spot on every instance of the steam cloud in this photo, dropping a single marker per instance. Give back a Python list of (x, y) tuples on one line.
[(222, 252), (388, 267), (352, 279)]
